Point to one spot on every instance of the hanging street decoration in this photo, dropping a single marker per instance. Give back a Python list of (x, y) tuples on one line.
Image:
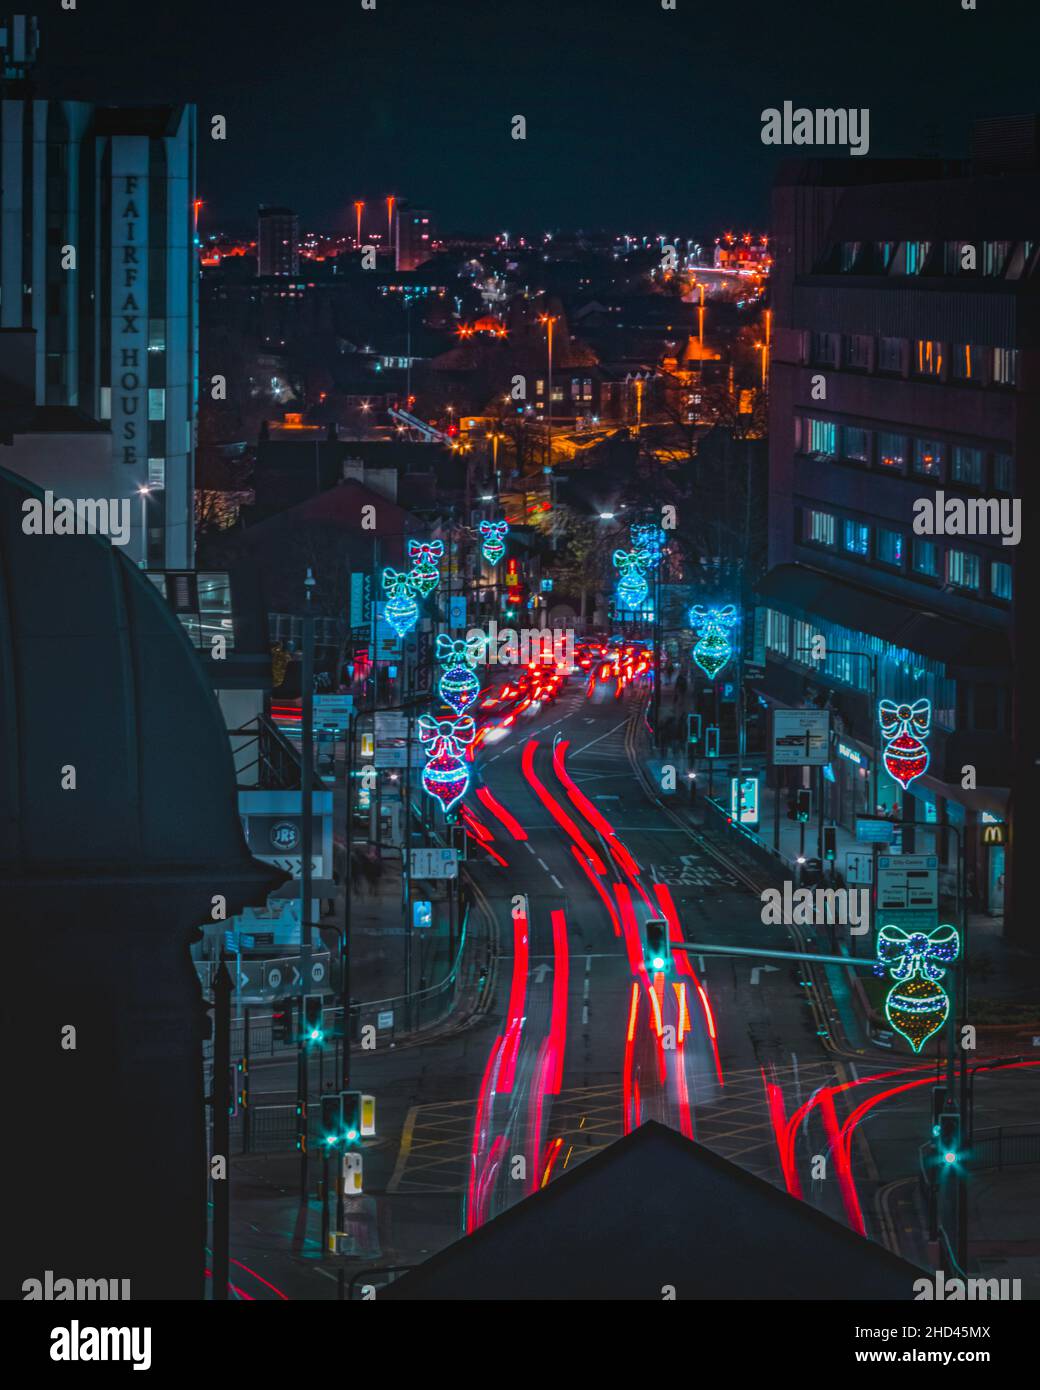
[(425, 575), (402, 611), (904, 726), (458, 686), (446, 775), (917, 1006), (494, 534), (713, 649), (632, 587), (649, 542)]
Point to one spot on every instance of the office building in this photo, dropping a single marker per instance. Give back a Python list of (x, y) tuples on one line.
[(278, 242)]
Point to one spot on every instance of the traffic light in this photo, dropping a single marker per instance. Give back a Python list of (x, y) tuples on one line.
[(830, 842), (242, 1091), (331, 1122), (353, 1184), (938, 1105), (352, 1117), (313, 1029), (693, 728), (802, 804), (658, 947), (949, 1136), (282, 1021), (711, 741)]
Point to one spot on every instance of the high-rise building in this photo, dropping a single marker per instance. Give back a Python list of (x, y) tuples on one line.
[(97, 258), (413, 240), (904, 416), (278, 242)]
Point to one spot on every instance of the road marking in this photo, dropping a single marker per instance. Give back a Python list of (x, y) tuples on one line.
[(544, 865), (601, 738), (584, 1013), (557, 882), (529, 847)]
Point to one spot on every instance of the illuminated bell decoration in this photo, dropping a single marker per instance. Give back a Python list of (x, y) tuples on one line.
[(425, 575), (402, 611), (446, 775), (632, 587), (904, 725), (494, 533), (458, 686), (917, 1005), (713, 650)]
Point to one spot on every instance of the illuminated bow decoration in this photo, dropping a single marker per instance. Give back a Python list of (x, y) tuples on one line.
[(425, 553), (713, 619), (630, 562), (397, 583), (905, 954), (494, 530), (446, 736), (913, 719), (459, 651)]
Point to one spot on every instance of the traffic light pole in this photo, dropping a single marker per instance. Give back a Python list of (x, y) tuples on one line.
[(221, 1129)]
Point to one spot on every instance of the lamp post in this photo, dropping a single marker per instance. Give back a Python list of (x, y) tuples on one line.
[(549, 320), (359, 208)]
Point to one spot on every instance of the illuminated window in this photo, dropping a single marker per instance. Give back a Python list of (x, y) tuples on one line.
[(156, 472), (105, 403), (1000, 581), (892, 450), (929, 457), (849, 254), (156, 403), (929, 357), (926, 558), (823, 438), (966, 360), (890, 547), (857, 351), (1003, 472), (916, 256), (1005, 366), (857, 537), (967, 466), (819, 527), (855, 444), (995, 257), (962, 569)]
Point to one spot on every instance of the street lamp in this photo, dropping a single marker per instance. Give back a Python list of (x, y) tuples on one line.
[(549, 320)]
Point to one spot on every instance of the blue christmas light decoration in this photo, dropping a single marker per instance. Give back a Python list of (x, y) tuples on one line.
[(649, 541), (458, 685), (494, 533), (905, 726), (632, 587), (402, 611), (916, 1006), (713, 648)]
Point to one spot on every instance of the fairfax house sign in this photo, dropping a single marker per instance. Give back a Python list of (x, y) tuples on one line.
[(130, 301)]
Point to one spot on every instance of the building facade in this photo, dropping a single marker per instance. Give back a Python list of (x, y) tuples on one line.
[(278, 242), (97, 258), (903, 418)]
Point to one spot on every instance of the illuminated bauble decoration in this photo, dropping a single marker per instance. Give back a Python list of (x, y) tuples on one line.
[(494, 533), (402, 611), (446, 775), (905, 725), (425, 575), (632, 587), (713, 649), (917, 1005), (649, 542), (458, 686)]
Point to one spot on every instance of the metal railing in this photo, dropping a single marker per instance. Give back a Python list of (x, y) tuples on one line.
[(275, 763), (1004, 1146)]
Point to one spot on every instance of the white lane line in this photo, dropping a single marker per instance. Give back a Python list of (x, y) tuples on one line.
[(601, 738), (585, 991), (529, 847), (557, 882), (584, 1013), (544, 865), (588, 964)]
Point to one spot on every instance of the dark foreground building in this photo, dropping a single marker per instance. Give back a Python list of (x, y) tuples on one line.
[(906, 371), (651, 1213), (118, 826)]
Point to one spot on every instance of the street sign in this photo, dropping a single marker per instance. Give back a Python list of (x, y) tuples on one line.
[(859, 867), (908, 881), (877, 830), (434, 863), (801, 737), (385, 1020), (333, 710)]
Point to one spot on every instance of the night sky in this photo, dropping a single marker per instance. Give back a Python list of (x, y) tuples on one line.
[(639, 119)]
